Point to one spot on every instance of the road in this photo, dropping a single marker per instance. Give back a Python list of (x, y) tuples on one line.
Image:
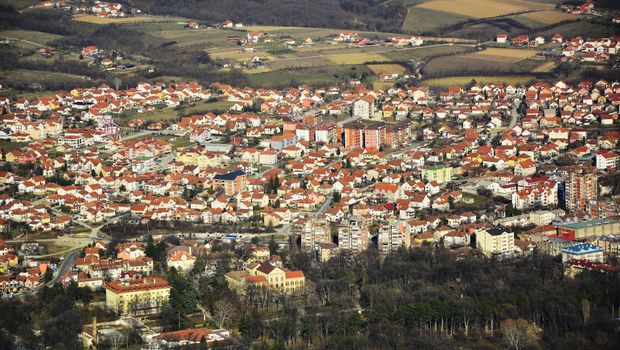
[(67, 264)]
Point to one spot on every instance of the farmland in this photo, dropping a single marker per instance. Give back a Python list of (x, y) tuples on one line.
[(421, 19), (484, 8), (109, 20), (316, 75), (386, 68), (40, 38), (507, 79), (548, 17), (497, 61)]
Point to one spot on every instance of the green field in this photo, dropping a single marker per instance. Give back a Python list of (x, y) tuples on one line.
[(314, 76), (31, 76), (421, 20), (173, 114), (507, 79), (40, 38), (426, 52)]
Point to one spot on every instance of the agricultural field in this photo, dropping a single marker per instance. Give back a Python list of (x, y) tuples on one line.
[(108, 20), (31, 76), (460, 81), (544, 18), (504, 55), (355, 58), (494, 61), (426, 52), (420, 19), (174, 113), (40, 38), (545, 67), (484, 8), (313, 76), (386, 68)]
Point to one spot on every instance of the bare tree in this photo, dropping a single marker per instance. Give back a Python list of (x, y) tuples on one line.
[(223, 312), (515, 333), (585, 310)]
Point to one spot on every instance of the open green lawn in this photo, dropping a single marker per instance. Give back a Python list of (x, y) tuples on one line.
[(314, 75), (427, 51), (173, 114), (8, 146), (508, 79), (31, 76), (19, 4), (176, 141), (420, 20), (41, 38)]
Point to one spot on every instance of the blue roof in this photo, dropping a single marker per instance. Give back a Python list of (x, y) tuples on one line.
[(230, 176), (584, 248)]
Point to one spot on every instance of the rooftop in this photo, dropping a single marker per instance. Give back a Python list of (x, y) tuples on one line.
[(586, 224)]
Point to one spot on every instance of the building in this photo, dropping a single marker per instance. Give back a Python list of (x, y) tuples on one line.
[(581, 188), (495, 241), (587, 229), (353, 235), (232, 182), (267, 274), (314, 232), (364, 108), (137, 297), (181, 260), (439, 173), (583, 251), (607, 160), (392, 236), (191, 337)]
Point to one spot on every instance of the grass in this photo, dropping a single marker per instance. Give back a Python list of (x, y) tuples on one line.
[(545, 67), (176, 141), (386, 68), (109, 20), (355, 58), (421, 19), (507, 79), (504, 55), (313, 75), (8, 146), (548, 17), (40, 38), (484, 8), (31, 76), (19, 4), (468, 64), (426, 52), (169, 113)]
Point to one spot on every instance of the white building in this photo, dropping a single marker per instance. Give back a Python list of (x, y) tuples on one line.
[(495, 241)]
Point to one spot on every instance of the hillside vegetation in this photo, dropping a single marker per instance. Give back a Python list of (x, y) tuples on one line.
[(378, 15)]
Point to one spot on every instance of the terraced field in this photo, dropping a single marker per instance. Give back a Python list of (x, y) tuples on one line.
[(484, 8)]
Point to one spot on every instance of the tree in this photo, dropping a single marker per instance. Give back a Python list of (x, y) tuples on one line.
[(515, 333), (223, 313), (49, 274), (273, 246)]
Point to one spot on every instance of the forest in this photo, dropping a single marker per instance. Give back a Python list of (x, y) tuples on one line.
[(376, 15)]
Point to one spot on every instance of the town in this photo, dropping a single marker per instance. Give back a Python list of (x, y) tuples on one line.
[(388, 207)]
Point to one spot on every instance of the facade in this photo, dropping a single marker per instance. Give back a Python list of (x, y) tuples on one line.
[(584, 251), (495, 241), (232, 182), (581, 188), (607, 160), (143, 296), (585, 229), (392, 236), (181, 260), (353, 235), (439, 173), (313, 233), (267, 274)]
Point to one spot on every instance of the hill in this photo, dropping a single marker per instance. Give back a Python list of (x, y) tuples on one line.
[(375, 15)]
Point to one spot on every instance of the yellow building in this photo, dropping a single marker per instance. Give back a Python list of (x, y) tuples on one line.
[(8, 261), (439, 173), (143, 296), (267, 274), (495, 241)]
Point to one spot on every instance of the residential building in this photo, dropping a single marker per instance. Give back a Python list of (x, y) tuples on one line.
[(583, 251), (588, 229), (138, 297), (353, 235), (232, 182), (495, 241), (439, 173), (581, 188)]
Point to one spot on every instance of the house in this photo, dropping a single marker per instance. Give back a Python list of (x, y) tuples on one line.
[(501, 38), (607, 160), (439, 173)]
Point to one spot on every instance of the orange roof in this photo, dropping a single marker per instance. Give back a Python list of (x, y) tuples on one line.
[(294, 274)]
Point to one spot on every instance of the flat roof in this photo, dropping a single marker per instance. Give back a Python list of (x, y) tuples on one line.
[(586, 224)]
